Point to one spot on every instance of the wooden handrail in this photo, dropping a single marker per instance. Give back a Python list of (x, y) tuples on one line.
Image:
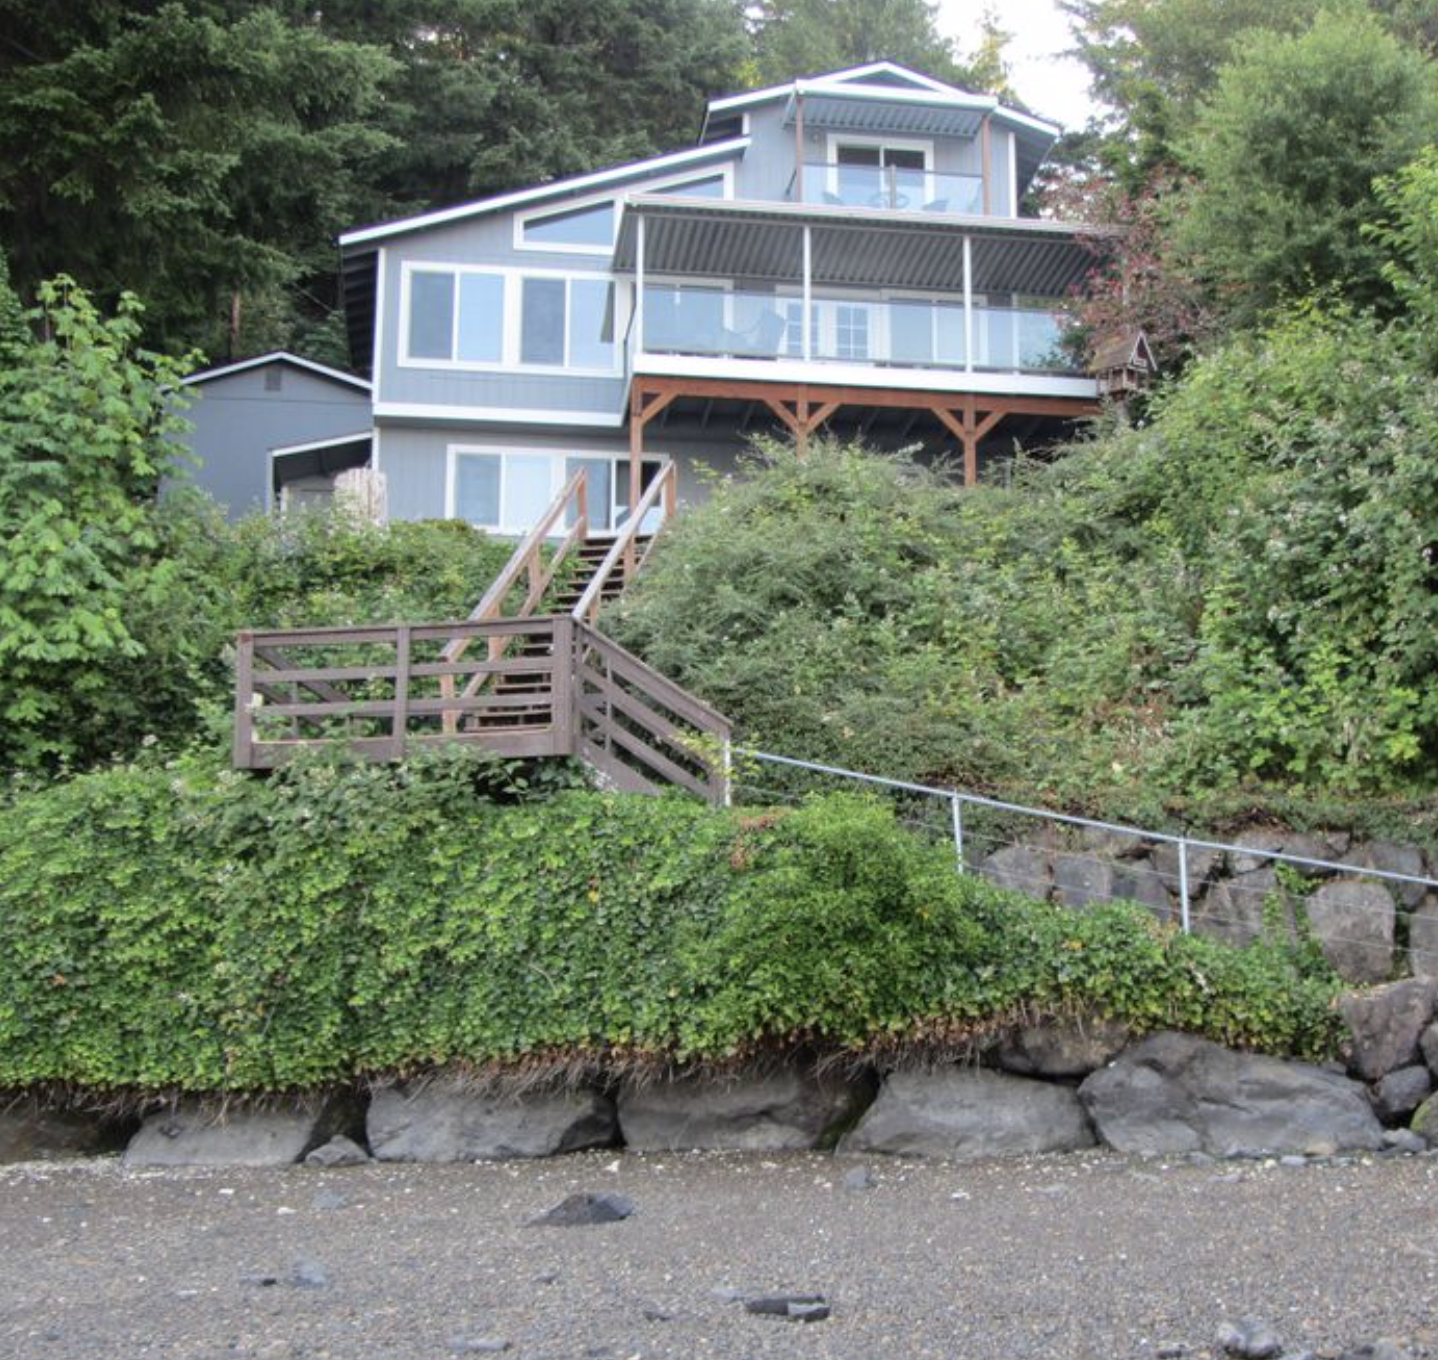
[(623, 547)]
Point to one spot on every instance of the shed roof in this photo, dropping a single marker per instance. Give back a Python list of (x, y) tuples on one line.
[(278, 356)]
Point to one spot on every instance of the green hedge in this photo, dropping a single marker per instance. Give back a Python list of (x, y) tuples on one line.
[(174, 926)]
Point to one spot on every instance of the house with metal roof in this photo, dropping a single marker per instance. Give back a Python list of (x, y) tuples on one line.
[(846, 251)]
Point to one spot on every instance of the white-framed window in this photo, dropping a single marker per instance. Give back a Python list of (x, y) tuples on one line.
[(851, 330), (925, 331), (507, 490), (879, 172), (490, 319), (588, 225)]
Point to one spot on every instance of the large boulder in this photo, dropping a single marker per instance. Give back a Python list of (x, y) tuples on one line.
[(29, 1132), (1204, 865), (1257, 849), (1352, 920), (1423, 939), (968, 1113), (1401, 1092), (451, 1119), (1060, 1048), (1020, 868), (202, 1133), (1178, 1093), (1385, 1025), (1429, 1044), (1233, 909), (1140, 881), (1389, 857), (1082, 879), (786, 1110)]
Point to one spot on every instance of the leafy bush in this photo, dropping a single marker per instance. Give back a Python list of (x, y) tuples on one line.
[(1239, 594), (178, 926)]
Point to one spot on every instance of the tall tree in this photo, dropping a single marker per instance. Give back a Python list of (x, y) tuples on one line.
[(1285, 155), (202, 154)]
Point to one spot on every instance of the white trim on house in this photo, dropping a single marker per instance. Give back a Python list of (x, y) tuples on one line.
[(1013, 175), (723, 173), (503, 415), (838, 374), (278, 356), (728, 149), (282, 450), (511, 319)]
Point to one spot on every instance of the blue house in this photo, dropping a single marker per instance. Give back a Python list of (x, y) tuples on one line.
[(846, 251)]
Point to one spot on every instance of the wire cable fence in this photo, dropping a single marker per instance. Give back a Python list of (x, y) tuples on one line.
[(1081, 861)]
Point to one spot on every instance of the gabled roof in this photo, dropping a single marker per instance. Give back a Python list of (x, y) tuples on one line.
[(278, 356), (890, 81), (559, 188)]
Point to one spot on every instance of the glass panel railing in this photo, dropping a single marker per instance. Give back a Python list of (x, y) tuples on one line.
[(893, 187), (893, 332)]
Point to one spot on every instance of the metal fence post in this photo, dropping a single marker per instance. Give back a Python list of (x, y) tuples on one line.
[(956, 809), (1183, 885)]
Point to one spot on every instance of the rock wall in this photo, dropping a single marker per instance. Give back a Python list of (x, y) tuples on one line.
[(1048, 1087), (1370, 930)]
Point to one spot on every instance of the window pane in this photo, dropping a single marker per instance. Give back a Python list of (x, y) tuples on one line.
[(578, 227), (476, 488), (527, 490), (950, 329), (481, 318), (648, 471), (431, 315), (542, 325), (589, 320), (911, 332), (601, 482)]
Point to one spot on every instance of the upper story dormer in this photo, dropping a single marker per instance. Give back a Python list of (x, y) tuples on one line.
[(881, 136)]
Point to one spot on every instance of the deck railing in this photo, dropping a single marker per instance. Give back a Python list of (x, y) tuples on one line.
[(382, 692), (626, 552)]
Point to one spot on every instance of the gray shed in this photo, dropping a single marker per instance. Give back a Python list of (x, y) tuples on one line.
[(274, 430)]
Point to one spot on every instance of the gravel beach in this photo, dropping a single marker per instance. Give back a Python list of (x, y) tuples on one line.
[(1073, 1257)]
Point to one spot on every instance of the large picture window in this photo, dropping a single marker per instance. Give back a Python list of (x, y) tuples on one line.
[(493, 318), (507, 490)]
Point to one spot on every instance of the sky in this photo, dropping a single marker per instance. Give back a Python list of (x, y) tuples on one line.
[(1052, 85)]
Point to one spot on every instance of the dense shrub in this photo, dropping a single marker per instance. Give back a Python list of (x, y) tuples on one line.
[(175, 926), (1239, 594)]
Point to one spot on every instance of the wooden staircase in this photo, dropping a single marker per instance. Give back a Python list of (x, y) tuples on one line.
[(544, 681)]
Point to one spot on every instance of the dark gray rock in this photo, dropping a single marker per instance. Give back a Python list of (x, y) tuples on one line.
[(448, 1119), (585, 1210), (1401, 1092), (795, 1307), (1391, 858), (1113, 844), (1060, 1048), (196, 1133), (339, 1151), (1203, 866), (1423, 940), (1250, 1339), (968, 1113), (1385, 1025), (1352, 920), (1139, 881), (1404, 1140), (783, 1111), (1178, 1093), (1020, 868), (1082, 880), (477, 1345), (1276, 843), (1233, 910), (1429, 1046), (31, 1133)]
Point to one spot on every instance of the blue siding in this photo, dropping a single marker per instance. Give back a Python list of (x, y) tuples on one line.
[(236, 420)]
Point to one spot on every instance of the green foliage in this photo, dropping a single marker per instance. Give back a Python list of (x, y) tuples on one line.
[(1285, 154), (84, 439), (174, 926), (1241, 593)]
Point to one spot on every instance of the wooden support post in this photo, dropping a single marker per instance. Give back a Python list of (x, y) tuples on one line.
[(564, 688), (801, 424), (242, 756), (400, 732), (636, 465)]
